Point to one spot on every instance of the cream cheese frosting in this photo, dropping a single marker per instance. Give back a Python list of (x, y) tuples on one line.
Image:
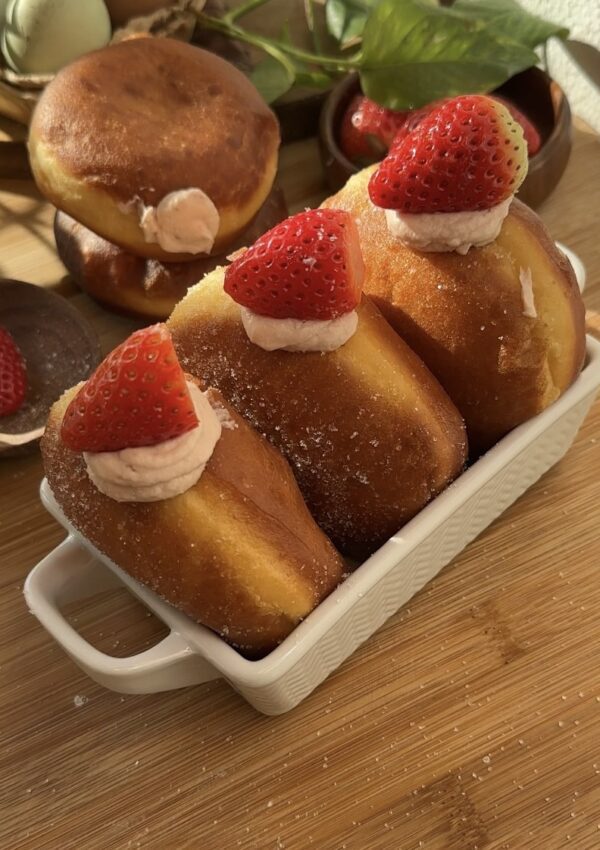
[(448, 231), (184, 222), (298, 334), (152, 473)]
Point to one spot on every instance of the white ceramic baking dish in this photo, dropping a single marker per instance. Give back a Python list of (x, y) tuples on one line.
[(191, 654), (577, 263)]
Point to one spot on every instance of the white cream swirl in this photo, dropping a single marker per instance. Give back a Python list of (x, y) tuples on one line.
[(448, 231), (298, 334), (184, 222), (152, 473)]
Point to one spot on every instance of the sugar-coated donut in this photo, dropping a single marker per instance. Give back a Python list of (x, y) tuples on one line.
[(138, 285), (121, 129), (370, 434), (502, 327), (237, 552)]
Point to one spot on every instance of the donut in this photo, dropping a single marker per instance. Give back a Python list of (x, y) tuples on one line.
[(156, 145), (137, 285), (238, 551), (501, 327), (369, 432)]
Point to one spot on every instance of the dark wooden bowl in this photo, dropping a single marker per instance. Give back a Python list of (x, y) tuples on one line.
[(535, 94)]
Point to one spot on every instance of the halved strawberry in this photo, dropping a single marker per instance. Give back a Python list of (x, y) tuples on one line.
[(468, 154), (367, 129), (13, 377), (137, 397), (308, 267), (415, 116)]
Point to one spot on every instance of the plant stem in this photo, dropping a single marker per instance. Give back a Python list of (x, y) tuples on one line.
[(270, 46), (309, 14), (242, 10)]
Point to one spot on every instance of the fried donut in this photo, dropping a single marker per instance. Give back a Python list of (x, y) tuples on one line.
[(501, 327), (237, 551), (369, 432), (136, 285), (158, 146)]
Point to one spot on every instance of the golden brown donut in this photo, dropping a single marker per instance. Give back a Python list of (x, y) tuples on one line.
[(238, 551), (370, 434), (465, 316), (131, 123), (137, 285)]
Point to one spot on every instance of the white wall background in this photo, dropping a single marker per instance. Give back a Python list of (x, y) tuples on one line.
[(575, 65)]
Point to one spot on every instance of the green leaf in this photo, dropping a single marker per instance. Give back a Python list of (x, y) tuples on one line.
[(506, 17), (346, 19), (272, 78), (414, 51), (309, 76)]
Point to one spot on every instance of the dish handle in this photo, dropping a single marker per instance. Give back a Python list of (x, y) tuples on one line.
[(70, 573)]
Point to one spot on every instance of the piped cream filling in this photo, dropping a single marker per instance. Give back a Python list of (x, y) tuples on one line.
[(448, 231), (298, 334), (152, 473), (184, 222)]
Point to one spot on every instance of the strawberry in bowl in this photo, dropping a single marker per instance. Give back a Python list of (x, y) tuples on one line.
[(46, 345), (533, 99), (13, 377), (368, 130)]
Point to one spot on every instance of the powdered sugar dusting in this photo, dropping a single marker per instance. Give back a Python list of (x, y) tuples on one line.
[(365, 466), (224, 417)]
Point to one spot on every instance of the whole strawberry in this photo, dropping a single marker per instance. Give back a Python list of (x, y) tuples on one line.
[(367, 129), (137, 397), (467, 154), (307, 267), (13, 377)]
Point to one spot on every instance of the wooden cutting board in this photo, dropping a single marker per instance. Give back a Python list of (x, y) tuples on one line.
[(471, 720)]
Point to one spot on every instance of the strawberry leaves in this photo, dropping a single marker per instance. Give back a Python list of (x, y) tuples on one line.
[(506, 17)]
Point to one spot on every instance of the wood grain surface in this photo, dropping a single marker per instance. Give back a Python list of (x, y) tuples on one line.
[(470, 721)]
